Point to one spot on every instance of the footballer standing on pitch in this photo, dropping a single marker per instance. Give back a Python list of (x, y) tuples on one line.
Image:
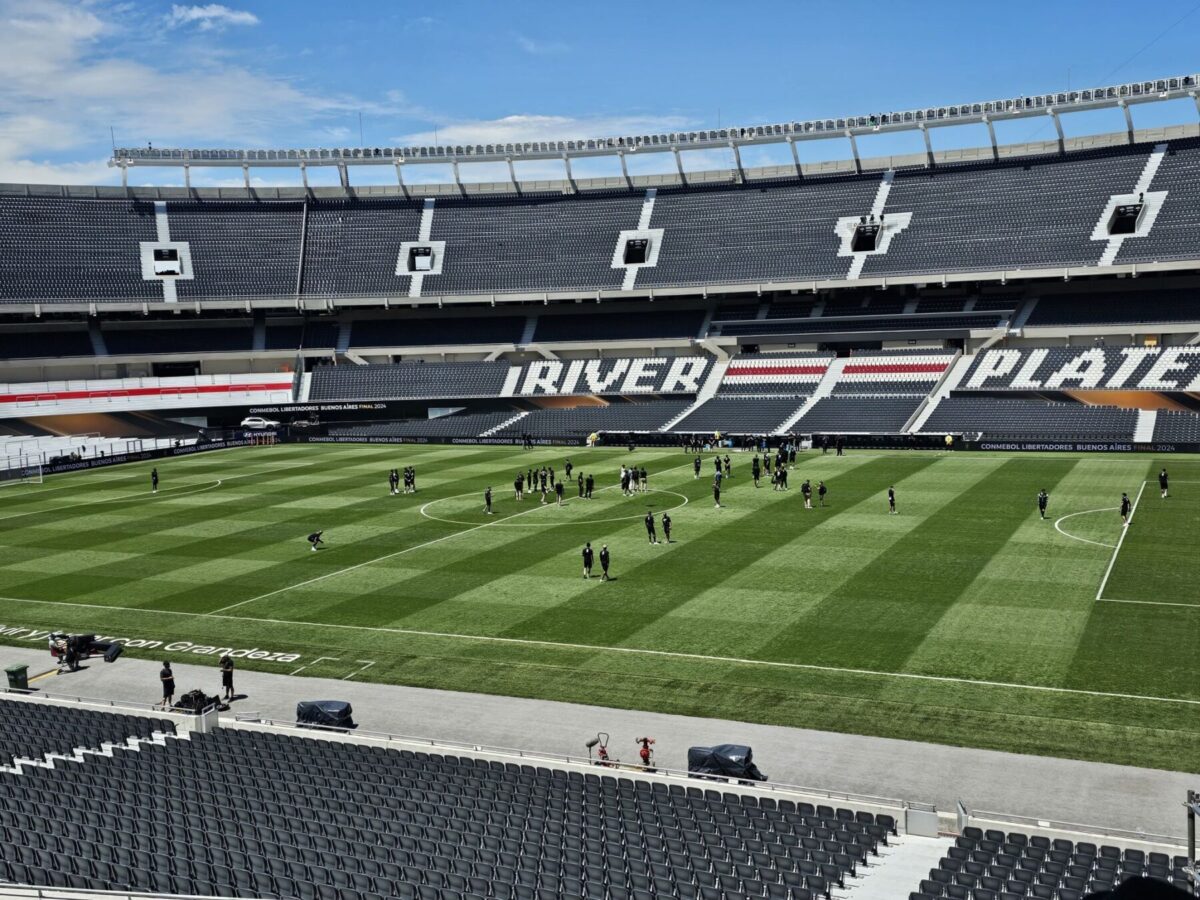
[(487, 501), (1126, 508), (1043, 499), (666, 523), (1162, 482), (589, 556), (650, 533), (154, 480), (892, 500), (558, 492), (755, 470), (696, 467), (821, 492), (605, 559)]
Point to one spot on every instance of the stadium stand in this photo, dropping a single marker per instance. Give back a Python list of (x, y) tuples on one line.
[(1018, 419), (239, 248), (1097, 367), (739, 415), (1132, 308), (30, 731), (101, 263), (229, 337), (619, 326), (1020, 214), (464, 425), (1177, 427), (580, 421), (859, 414), (316, 819), (786, 375), (915, 323), (407, 332), (995, 865), (408, 379), (352, 247)]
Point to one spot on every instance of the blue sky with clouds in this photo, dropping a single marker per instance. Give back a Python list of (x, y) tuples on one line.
[(264, 74)]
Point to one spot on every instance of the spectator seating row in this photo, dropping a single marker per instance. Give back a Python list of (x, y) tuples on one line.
[(993, 865), (580, 421), (459, 425), (417, 380), (1030, 419), (32, 730), (740, 415), (859, 414)]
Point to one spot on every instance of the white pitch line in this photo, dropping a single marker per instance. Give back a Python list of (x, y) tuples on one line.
[(369, 663), (313, 663), (393, 555), (1150, 603), (1120, 540), (182, 491), (1084, 513), (633, 651)]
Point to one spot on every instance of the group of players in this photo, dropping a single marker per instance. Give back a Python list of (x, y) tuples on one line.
[(409, 479), (1126, 505)]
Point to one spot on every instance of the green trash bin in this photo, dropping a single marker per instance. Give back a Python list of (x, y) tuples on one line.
[(18, 677)]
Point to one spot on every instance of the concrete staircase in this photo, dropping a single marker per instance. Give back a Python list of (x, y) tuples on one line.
[(899, 868), (1144, 432), (517, 418), (707, 391), (950, 380)]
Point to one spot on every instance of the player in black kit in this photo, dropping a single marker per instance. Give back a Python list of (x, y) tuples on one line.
[(806, 492), (154, 480), (558, 492), (755, 470), (588, 484), (1162, 483), (666, 523), (650, 533), (604, 561), (579, 481), (696, 467), (892, 500), (1043, 499), (588, 556), (518, 486), (487, 501), (1126, 509), (821, 492)]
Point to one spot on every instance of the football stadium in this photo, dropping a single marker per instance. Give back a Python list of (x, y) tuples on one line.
[(426, 536)]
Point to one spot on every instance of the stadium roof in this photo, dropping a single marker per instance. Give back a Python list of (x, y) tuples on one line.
[(984, 112)]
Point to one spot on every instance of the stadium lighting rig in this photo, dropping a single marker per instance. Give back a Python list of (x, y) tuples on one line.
[(987, 112)]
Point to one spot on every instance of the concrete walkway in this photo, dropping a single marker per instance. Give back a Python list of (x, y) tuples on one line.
[(1094, 794)]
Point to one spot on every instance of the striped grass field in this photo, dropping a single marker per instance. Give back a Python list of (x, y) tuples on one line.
[(964, 619)]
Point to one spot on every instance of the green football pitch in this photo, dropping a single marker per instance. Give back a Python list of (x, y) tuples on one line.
[(963, 619)]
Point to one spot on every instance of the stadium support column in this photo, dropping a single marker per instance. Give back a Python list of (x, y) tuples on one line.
[(679, 165), (570, 175), (928, 145), (304, 175), (187, 176), (1128, 119), (246, 176), (400, 179), (457, 179), (992, 134), (125, 177), (1062, 141), (854, 151), (344, 177), (796, 159), (512, 175), (737, 159), (625, 169), (1195, 99)]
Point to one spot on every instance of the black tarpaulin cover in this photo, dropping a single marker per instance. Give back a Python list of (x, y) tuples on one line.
[(729, 760), (330, 713)]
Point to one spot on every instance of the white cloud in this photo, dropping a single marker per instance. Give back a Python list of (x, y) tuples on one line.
[(210, 17), (522, 128), (540, 48), (66, 76)]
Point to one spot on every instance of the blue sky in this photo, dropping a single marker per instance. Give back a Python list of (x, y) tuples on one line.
[(263, 74)]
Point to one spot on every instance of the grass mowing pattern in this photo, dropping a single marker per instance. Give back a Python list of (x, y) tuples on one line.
[(761, 611)]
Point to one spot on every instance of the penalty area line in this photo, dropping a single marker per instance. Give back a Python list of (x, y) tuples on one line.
[(1120, 540), (631, 651)]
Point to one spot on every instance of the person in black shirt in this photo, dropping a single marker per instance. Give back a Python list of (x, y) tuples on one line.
[(579, 481), (558, 492), (717, 491), (840, 451), (666, 523), (588, 556), (1162, 483), (167, 677), (1043, 499), (821, 492), (696, 467), (568, 467), (643, 479), (892, 500), (315, 539), (588, 485), (728, 473), (783, 477), (755, 470), (227, 676), (1126, 509), (604, 561), (487, 501), (393, 482), (154, 480), (806, 492), (518, 484), (650, 533)]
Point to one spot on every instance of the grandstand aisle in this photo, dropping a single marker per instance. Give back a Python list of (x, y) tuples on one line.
[(1097, 794)]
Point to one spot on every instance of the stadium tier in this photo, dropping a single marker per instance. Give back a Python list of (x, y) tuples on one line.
[(1032, 419), (1022, 214), (581, 421), (400, 380), (739, 415), (859, 414), (1145, 368), (466, 425)]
